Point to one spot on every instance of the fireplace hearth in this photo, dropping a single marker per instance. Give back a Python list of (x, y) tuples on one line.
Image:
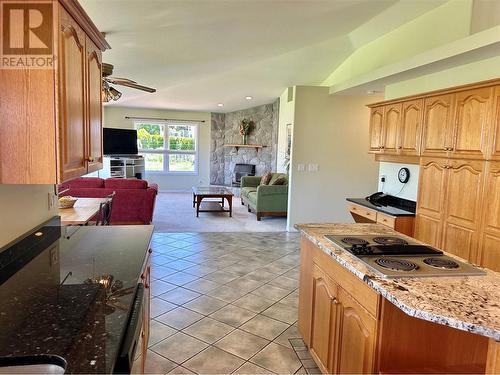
[(241, 170)]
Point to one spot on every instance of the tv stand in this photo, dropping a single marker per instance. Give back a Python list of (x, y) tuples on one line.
[(123, 166)]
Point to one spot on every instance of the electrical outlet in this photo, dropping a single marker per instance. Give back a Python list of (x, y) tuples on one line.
[(383, 178), (313, 167), (301, 167)]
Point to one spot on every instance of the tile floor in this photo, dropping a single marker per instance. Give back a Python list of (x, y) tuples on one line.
[(224, 303)]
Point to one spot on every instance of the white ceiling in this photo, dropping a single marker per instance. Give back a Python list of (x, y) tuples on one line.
[(198, 53)]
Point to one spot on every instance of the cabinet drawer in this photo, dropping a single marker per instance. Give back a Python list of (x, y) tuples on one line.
[(386, 220), (363, 211)]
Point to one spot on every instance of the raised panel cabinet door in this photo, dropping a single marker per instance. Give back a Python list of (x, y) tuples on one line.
[(432, 184), (494, 144), (376, 129), (392, 123), (463, 208), (146, 280), (410, 131), (94, 104), (324, 318), (490, 242), (437, 133), (72, 103), (357, 337), (428, 230), (472, 121)]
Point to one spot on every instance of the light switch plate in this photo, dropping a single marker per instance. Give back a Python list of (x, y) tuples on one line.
[(313, 167), (301, 167)]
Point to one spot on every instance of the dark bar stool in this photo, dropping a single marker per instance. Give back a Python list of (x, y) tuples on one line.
[(105, 210)]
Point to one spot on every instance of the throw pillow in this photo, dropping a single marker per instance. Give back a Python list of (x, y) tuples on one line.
[(266, 178), (279, 181)]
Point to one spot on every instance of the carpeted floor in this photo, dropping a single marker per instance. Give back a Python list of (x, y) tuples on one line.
[(174, 212)]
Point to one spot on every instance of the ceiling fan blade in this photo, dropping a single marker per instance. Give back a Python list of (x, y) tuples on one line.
[(117, 79), (134, 86)]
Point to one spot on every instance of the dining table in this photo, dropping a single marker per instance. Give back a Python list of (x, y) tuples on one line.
[(82, 212)]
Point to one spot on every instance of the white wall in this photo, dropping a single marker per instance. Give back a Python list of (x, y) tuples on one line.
[(392, 185), (23, 208), (331, 131), (114, 117), (286, 114)]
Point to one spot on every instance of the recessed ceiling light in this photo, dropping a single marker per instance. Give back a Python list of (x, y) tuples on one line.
[(220, 105), (371, 92), (248, 97)]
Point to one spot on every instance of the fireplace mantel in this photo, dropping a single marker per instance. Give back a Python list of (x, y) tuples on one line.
[(237, 146)]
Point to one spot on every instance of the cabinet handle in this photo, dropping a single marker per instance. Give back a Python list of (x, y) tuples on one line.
[(90, 159), (146, 286), (400, 147), (334, 300), (150, 251)]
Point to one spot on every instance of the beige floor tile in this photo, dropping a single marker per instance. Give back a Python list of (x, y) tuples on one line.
[(261, 275), (179, 295), (291, 300), (221, 277), (159, 287), (213, 361), (244, 284), (242, 344), (156, 364), (271, 292), (179, 318), (233, 315), (159, 306), (253, 303), (264, 327), (202, 285), (290, 333), (159, 331), (179, 347), (282, 312), (200, 270), (180, 370), (278, 359), (285, 283), (226, 293), (179, 278), (158, 272), (250, 368), (208, 330), (205, 304)]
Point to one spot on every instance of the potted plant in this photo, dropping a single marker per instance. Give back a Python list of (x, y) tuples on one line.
[(246, 127)]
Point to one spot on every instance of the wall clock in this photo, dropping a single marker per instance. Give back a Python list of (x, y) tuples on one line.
[(404, 175)]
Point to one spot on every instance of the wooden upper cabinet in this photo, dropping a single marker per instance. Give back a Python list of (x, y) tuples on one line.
[(472, 122), (410, 131), (494, 144), (376, 129), (324, 320), (94, 113), (391, 125), (72, 103), (463, 208), (357, 337), (437, 132), (489, 254)]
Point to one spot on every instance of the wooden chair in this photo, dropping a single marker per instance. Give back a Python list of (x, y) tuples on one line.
[(105, 210)]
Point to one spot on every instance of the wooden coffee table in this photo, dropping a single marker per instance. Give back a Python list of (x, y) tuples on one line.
[(213, 192)]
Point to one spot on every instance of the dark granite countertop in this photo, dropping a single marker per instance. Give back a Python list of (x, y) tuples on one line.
[(55, 300), (389, 210)]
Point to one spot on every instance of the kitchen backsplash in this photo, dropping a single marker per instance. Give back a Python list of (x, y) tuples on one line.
[(392, 185)]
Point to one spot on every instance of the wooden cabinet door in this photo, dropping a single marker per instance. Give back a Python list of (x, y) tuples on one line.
[(437, 134), (357, 337), (324, 320), (72, 103), (376, 129), (409, 136), (494, 146), (94, 105), (428, 230), (472, 122), (392, 123), (463, 207), (490, 242)]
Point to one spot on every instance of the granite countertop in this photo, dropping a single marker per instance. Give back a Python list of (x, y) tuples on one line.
[(389, 210), (467, 303), (54, 302)]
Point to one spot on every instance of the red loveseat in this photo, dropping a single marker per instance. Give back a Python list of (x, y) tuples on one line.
[(133, 203)]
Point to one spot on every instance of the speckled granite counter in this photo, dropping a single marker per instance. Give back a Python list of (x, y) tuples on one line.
[(467, 303), (54, 301)]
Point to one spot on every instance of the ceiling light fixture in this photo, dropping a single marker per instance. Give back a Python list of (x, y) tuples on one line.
[(109, 93), (220, 105), (248, 97)]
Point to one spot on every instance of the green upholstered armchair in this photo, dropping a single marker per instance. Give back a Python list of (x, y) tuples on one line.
[(265, 200)]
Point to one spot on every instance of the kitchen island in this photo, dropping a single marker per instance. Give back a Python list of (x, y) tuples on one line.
[(68, 292), (354, 320)]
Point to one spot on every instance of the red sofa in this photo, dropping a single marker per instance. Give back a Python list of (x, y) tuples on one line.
[(134, 201)]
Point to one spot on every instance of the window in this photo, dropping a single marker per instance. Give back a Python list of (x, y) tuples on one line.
[(168, 147)]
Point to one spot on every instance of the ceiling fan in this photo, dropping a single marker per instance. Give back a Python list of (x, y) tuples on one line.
[(109, 92)]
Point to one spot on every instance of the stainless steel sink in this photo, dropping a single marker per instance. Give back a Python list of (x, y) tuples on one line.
[(37, 364)]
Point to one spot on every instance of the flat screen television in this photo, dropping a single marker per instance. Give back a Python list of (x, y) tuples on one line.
[(119, 141)]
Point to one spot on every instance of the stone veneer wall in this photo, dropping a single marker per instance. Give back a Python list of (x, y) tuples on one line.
[(225, 130)]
